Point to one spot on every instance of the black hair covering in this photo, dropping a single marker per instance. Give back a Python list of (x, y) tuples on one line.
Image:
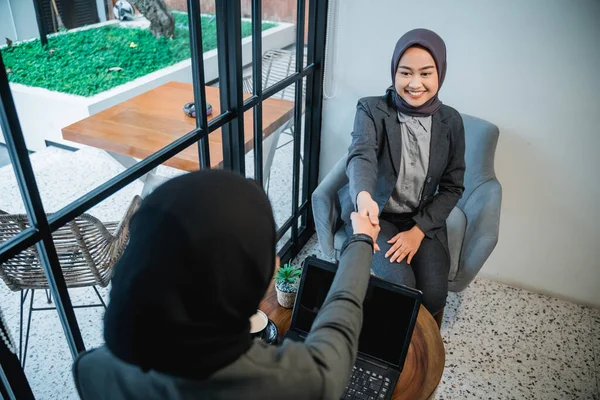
[(200, 257)]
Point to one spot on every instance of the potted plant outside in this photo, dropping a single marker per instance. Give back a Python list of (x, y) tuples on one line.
[(287, 280)]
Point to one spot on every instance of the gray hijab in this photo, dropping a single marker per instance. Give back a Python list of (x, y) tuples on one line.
[(433, 43)]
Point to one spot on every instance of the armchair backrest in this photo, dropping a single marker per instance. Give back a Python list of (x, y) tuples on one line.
[(326, 206), (481, 138)]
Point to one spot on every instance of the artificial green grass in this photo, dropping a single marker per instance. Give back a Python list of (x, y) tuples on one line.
[(91, 61)]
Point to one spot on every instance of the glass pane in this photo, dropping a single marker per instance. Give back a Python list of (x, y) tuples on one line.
[(302, 193), (48, 359), (278, 40), (278, 149), (80, 262), (306, 10), (82, 250), (250, 150), (302, 222), (114, 93), (13, 218), (285, 239), (209, 42), (247, 53)]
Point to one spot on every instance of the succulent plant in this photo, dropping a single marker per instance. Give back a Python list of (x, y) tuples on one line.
[(287, 278)]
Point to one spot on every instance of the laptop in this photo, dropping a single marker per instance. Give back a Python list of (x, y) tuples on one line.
[(389, 315)]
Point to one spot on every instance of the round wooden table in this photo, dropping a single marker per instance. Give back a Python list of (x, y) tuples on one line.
[(424, 362)]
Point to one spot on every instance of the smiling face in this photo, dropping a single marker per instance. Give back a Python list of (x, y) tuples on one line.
[(416, 76)]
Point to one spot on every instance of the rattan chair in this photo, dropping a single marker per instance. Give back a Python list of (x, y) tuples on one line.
[(87, 250)]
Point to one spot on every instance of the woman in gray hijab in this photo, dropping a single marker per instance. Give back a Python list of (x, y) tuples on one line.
[(406, 168)]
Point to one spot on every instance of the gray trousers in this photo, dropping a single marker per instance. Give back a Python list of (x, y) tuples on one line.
[(428, 271)]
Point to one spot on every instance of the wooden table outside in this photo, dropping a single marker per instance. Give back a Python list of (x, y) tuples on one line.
[(144, 124), (424, 362)]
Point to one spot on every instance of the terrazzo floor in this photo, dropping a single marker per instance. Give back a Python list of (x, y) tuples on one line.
[(501, 342), (507, 343)]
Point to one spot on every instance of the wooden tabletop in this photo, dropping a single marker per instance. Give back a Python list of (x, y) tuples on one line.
[(424, 362), (144, 124)]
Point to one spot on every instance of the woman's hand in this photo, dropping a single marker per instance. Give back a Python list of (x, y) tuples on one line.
[(405, 244), (362, 224), (366, 206)]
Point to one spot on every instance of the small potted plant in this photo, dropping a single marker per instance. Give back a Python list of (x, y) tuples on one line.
[(287, 279)]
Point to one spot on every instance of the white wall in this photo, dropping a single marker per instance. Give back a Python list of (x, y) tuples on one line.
[(101, 6), (24, 18), (23, 24), (532, 68), (7, 27)]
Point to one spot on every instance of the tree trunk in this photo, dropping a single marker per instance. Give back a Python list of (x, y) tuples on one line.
[(162, 22)]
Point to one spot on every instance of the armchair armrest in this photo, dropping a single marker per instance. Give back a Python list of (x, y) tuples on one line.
[(326, 208), (482, 209)]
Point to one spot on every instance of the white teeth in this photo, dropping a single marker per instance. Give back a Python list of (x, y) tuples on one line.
[(415, 93)]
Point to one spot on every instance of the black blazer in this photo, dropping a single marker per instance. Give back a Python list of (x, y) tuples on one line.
[(374, 161)]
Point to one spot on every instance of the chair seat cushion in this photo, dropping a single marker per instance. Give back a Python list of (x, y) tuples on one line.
[(339, 239), (457, 226)]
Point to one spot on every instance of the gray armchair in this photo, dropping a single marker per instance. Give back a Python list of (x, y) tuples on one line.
[(473, 224)]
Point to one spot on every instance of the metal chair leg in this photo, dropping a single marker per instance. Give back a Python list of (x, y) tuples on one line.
[(23, 297), (99, 296), (24, 294), (48, 295), (28, 329)]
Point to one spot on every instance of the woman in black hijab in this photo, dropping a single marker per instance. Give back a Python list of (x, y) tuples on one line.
[(406, 168), (200, 258)]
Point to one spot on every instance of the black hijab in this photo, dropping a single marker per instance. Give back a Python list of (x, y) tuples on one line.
[(200, 257), (433, 43)]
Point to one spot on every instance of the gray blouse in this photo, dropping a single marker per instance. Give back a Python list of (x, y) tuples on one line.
[(414, 162)]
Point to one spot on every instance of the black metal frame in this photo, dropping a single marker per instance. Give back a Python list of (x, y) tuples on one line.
[(24, 294), (229, 53), (13, 383), (39, 15), (228, 14)]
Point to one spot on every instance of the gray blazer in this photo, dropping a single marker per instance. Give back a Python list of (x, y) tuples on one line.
[(374, 160), (316, 369)]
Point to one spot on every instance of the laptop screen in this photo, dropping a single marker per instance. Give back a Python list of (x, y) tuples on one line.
[(386, 320)]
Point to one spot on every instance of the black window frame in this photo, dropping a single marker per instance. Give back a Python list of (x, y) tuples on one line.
[(301, 224)]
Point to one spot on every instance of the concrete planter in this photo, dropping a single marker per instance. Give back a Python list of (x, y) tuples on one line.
[(285, 299), (43, 113)]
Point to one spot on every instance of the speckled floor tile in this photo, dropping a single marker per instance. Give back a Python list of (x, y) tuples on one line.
[(48, 365), (479, 372), (530, 321), (596, 338), (453, 303), (63, 176), (311, 249), (507, 342), (280, 182)]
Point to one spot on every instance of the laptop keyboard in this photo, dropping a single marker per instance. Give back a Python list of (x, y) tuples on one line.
[(366, 385)]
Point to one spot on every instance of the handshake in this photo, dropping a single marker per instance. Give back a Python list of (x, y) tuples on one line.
[(404, 245), (366, 219)]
